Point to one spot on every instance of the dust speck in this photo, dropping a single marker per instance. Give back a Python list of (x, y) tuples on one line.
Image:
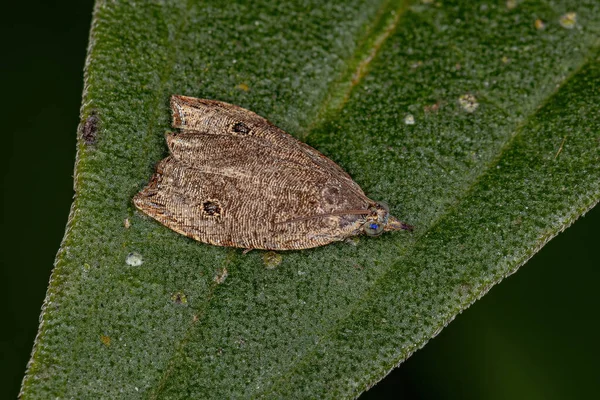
[(517, 221), (179, 298), (221, 275), (105, 340), (134, 259), (127, 223), (468, 102), (569, 20), (89, 131), (272, 259), (432, 108), (510, 4), (409, 119), (560, 148), (352, 241), (539, 24)]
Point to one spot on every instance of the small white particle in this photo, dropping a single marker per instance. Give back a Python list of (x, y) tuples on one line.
[(468, 102), (409, 119), (134, 259), (568, 20)]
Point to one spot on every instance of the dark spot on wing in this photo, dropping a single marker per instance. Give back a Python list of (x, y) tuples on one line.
[(241, 128), (211, 208)]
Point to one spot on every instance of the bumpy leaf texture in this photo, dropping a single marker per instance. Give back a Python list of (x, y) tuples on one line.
[(477, 121)]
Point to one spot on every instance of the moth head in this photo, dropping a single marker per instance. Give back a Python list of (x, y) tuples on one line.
[(379, 220)]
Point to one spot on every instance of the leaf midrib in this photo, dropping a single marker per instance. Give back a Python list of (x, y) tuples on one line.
[(338, 93)]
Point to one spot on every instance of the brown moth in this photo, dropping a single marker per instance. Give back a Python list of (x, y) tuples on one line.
[(234, 179)]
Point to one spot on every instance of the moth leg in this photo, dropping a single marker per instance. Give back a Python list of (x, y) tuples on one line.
[(246, 251)]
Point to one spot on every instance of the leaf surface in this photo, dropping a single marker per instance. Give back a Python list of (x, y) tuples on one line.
[(477, 124)]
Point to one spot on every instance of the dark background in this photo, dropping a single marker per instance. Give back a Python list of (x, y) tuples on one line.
[(534, 336)]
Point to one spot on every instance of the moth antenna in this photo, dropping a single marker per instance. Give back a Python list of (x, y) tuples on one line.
[(345, 212)]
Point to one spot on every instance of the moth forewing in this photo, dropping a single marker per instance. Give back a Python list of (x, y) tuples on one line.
[(234, 179)]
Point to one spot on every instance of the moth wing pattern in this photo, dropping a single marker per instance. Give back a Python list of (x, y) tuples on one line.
[(228, 208), (193, 115), (234, 179)]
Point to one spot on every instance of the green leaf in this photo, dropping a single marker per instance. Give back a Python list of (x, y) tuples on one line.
[(504, 153)]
